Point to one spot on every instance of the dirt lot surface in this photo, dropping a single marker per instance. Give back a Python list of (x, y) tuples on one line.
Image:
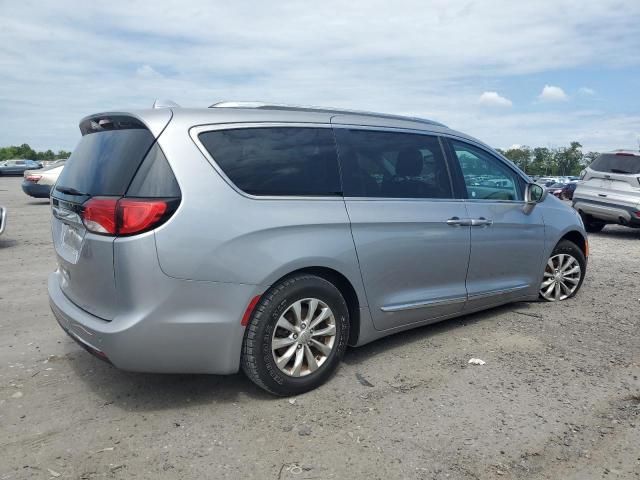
[(558, 398)]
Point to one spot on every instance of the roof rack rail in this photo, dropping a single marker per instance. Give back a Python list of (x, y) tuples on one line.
[(306, 108)]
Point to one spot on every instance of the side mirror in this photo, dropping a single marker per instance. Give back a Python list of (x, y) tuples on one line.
[(534, 193)]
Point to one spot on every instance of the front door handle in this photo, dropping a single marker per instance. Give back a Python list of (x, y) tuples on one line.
[(481, 222), (457, 221)]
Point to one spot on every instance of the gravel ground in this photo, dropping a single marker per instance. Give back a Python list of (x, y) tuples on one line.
[(559, 396)]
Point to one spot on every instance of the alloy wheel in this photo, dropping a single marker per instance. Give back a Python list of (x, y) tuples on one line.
[(562, 276), (303, 337)]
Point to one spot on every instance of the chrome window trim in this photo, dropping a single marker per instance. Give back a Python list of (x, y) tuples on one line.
[(196, 130)]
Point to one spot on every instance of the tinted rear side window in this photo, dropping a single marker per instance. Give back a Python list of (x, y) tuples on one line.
[(392, 165), (612, 163), (277, 160), (104, 162)]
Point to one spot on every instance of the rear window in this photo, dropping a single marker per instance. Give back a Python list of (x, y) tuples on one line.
[(612, 163), (277, 160), (105, 162)]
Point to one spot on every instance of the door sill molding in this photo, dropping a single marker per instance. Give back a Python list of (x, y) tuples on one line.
[(423, 304), (497, 292)]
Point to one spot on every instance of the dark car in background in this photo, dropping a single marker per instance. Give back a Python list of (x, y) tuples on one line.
[(555, 188), (18, 166), (567, 191)]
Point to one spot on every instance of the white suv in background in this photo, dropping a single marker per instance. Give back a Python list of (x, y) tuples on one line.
[(610, 191)]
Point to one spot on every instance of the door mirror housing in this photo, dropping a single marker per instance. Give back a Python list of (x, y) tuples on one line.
[(535, 193)]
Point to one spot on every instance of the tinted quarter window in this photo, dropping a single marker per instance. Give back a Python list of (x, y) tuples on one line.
[(392, 165), (277, 160), (486, 177), (616, 163), (154, 178)]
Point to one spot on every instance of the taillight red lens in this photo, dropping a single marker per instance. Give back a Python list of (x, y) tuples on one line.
[(139, 215), (99, 215), (33, 178), (123, 216)]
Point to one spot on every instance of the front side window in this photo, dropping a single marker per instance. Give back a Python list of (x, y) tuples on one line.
[(485, 176), (392, 165), (277, 161)]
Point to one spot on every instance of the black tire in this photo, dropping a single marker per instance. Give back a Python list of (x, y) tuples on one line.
[(593, 227), (257, 358), (569, 248), (590, 225)]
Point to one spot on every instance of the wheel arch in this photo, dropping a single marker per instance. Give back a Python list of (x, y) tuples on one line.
[(579, 239), (346, 288)]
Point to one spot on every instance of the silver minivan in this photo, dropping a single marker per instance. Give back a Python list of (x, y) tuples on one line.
[(270, 237)]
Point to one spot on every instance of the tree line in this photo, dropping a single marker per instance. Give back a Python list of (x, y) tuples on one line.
[(26, 152), (560, 161)]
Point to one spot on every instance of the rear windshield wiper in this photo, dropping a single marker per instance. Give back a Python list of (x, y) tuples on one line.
[(71, 191), (617, 170)]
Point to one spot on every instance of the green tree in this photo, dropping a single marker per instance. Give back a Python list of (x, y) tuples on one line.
[(568, 160), (589, 157), (542, 163), (521, 156)]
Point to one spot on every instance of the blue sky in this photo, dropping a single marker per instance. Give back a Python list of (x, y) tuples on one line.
[(538, 73)]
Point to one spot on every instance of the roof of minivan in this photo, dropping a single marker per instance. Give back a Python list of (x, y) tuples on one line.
[(223, 114)]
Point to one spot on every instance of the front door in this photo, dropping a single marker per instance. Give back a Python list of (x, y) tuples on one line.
[(408, 229), (507, 236)]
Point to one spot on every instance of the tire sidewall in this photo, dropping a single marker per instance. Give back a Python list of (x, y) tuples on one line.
[(307, 287)]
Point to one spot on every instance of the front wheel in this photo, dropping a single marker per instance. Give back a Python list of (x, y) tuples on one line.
[(564, 272), (297, 335)]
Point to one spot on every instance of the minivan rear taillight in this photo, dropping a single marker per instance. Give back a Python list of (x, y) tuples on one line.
[(126, 216)]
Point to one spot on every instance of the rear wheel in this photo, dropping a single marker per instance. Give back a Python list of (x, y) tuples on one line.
[(297, 335), (563, 273), (591, 225)]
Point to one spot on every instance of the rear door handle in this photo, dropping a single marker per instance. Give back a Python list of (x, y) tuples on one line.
[(481, 222), (459, 222)]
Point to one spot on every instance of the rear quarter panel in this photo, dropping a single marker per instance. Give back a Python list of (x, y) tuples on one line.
[(221, 235)]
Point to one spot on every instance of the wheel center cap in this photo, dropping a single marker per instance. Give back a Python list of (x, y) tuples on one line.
[(304, 337)]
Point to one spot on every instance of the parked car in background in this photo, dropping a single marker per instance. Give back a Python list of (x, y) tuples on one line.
[(3, 219), (269, 237), (555, 188), (18, 167), (567, 191), (610, 191), (38, 183)]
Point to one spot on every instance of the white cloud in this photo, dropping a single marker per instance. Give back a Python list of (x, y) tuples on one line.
[(586, 91), (418, 57), (493, 99), (147, 72), (551, 93)]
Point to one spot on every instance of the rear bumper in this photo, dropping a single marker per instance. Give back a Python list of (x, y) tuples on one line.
[(607, 212), (36, 190), (194, 329)]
